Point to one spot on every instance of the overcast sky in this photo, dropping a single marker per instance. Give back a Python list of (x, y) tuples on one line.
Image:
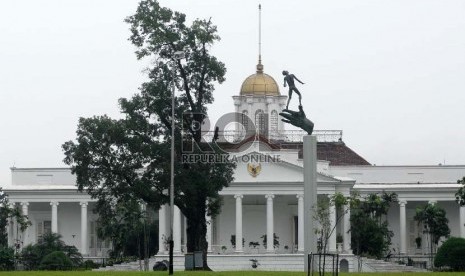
[(390, 74)]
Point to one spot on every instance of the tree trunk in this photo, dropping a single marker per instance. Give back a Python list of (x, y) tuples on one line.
[(196, 234)]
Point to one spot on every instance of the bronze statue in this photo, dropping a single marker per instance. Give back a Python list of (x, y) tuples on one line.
[(289, 78), (298, 119)]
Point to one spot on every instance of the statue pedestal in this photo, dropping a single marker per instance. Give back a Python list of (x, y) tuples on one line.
[(310, 196)]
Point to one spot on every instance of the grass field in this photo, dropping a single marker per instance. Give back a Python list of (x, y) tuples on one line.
[(200, 273)]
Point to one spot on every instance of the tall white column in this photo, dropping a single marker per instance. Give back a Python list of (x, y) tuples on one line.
[(10, 228), (177, 230), (403, 227), (25, 211), (269, 224), (462, 221), (300, 223), (162, 234), (239, 223), (54, 205), (84, 245), (347, 235), (332, 238), (209, 232)]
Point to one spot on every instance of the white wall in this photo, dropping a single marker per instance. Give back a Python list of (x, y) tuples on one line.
[(400, 174)]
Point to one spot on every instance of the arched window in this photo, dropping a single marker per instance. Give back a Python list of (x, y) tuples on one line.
[(274, 122), (260, 121), (245, 120)]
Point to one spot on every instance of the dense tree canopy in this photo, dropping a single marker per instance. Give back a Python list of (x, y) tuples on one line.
[(128, 160), (369, 227)]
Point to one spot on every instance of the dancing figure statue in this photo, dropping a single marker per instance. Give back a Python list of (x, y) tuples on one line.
[(289, 79)]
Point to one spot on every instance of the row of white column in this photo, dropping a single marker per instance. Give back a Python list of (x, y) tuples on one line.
[(300, 224), (403, 224), (54, 222), (164, 235)]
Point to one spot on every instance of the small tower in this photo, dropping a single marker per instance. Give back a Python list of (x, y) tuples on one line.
[(260, 100)]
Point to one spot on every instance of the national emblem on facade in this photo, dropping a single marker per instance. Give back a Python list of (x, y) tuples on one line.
[(254, 169)]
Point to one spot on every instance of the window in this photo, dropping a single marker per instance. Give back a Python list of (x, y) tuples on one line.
[(95, 241), (274, 121), (43, 227), (245, 120), (260, 121)]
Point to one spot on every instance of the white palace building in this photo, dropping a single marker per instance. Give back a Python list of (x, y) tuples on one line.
[(265, 197)]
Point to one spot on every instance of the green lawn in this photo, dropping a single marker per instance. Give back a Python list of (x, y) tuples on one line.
[(199, 273)]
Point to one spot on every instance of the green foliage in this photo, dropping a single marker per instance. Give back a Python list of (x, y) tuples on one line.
[(9, 212), (56, 260), (32, 255), (275, 240), (434, 220), (322, 214), (460, 194), (451, 254), (7, 258), (128, 227), (370, 233), (89, 264), (127, 161)]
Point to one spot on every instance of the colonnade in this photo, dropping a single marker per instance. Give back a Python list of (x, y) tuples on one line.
[(164, 227), (403, 248), (54, 224)]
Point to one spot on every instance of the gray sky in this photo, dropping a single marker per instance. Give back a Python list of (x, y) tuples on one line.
[(390, 74)]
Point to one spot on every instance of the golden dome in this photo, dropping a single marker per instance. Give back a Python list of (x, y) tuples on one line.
[(259, 84)]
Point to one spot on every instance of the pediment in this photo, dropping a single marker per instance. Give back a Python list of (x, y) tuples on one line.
[(267, 167)]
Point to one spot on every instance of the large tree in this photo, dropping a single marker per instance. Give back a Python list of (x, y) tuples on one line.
[(369, 227), (129, 159)]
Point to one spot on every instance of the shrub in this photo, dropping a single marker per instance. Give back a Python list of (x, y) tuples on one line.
[(32, 255), (451, 254), (56, 261), (89, 264), (7, 256)]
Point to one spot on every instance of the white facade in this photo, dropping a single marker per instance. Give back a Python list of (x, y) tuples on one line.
[(269, 203), (255, 204)]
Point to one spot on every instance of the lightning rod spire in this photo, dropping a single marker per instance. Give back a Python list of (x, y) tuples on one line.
[(259, 65)]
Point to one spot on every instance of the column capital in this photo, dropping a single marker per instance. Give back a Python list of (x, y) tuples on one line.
[(269, 197), (431, 202), (83, 203), (24, 203), (56, 203), (238, 196), (402, 203), (300, 196)]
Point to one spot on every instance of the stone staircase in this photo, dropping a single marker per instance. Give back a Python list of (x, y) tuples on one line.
[(285, 262), (371, 265), (130, 266)]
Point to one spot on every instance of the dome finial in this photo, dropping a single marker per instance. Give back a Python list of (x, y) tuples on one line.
[(259, 65)]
